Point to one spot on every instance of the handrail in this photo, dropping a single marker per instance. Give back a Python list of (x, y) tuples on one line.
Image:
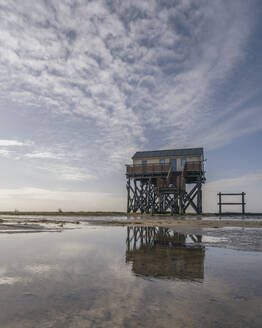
[(193, 166), (153, 168), (156, 168)]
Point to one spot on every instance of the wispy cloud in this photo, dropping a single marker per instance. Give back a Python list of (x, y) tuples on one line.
[(10, 143), (29, 198), (10, 148), (74, 174), (133, 69), (43, 155), (66, 172), (4, 152), (119, 76), (242, 122)]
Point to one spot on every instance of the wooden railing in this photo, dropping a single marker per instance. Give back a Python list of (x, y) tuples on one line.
[(156, 168), (193, 166), (144, 169)]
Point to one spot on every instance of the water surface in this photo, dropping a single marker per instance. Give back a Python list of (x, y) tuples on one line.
[(131, 277)]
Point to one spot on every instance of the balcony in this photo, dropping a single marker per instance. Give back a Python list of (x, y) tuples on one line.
[(190, 169), (148, 169), (195, 166)]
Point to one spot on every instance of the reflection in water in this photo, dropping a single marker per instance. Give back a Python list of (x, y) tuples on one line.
[(79, 278), (165, 253)]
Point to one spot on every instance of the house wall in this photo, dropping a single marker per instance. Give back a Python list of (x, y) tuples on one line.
[(156, 160)]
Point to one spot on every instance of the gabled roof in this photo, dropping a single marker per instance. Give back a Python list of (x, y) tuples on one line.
[(168, 152)]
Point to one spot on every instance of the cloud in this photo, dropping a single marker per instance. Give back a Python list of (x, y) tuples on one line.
[(10, 143), (29, 198), (43, 155), (133, 70), (242, 122), (4, 152), (9, 280), (15, 145), (65, 172), (74, 174), (40, 268)]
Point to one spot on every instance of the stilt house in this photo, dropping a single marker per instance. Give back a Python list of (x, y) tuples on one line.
[(157, 181)]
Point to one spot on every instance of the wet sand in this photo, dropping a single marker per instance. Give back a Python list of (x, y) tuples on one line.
[(39, 223), (216, 223)]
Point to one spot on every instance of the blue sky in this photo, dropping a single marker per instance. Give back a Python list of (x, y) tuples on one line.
[(85, 84)]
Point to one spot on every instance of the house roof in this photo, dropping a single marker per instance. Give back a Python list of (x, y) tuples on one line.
[(168, 152)]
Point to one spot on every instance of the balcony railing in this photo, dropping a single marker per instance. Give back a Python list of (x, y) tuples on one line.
[(161, 169), (146, 169), (193, 166)]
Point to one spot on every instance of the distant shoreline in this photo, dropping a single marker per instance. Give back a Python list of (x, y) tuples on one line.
[(29, 223), (101, 213)]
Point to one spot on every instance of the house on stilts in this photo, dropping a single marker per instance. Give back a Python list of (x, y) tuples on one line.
[(163, 181)]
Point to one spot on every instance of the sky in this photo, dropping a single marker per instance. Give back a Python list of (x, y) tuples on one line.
[(86, 84)]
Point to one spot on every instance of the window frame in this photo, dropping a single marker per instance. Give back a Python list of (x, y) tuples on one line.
[(183, 161)]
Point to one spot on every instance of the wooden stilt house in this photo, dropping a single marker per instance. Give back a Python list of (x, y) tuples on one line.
[(157, 181)]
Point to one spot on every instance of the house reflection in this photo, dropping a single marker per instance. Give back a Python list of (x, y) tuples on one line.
[(164, 253)]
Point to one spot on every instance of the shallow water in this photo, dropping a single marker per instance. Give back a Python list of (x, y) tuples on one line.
[(123, 218), (131, 277)]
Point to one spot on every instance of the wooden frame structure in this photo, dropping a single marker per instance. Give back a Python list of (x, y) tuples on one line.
[(150, 236), (242, 203), (144, 196), (156, 188), (162, 252)]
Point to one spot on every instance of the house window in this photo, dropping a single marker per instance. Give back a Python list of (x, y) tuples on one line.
[(183, 162), (173, 163), (144, 162), (162, 161)]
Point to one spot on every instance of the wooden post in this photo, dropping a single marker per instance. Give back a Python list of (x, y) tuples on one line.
[(199, 199), (128, 239), (152, 194), (243, 203), (135, 239), (128, 195), (181, 209), (172, 206), (135, 197), (219, 203)]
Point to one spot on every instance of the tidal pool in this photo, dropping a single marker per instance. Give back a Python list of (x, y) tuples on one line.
[(98, 276)]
